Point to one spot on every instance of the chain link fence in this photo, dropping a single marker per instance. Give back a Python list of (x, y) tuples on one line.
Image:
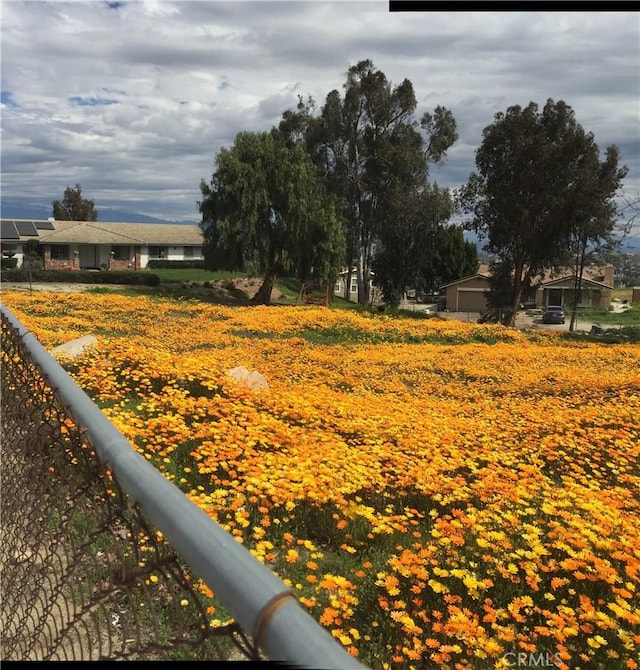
[(103, 558)]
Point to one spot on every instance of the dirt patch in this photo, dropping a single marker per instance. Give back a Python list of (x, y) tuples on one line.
[(227, 291), (249, 286)]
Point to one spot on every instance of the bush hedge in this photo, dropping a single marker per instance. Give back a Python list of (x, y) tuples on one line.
[(164, 264), (82, 277), (8, 263)]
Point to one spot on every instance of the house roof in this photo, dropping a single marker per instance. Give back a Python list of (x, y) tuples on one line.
[(568, 280), (594, 274), (16, 230), (464, 280), (101, 232)]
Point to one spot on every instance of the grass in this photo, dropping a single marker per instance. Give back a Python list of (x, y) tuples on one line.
[(630, 317), (178, 275), (622, 294)]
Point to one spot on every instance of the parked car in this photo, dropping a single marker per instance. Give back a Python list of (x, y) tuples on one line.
[(553, 314)]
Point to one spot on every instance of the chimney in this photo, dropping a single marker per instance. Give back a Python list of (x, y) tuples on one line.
[(608, 275)]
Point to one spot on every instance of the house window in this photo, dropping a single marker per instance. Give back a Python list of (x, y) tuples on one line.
[(60, 252), (336, 287), (193, 252), (354, 285), (158, 252), (120, 253)]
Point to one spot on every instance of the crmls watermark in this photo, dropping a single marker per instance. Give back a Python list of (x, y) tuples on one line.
[(529, 660)]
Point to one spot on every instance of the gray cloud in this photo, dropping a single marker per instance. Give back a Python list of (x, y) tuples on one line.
[(183, 78)]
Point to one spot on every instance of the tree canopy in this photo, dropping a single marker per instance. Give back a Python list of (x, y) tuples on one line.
[(538, 173), (74, 207), (592, 212), (266, 210), (368, 146), (419, 249)]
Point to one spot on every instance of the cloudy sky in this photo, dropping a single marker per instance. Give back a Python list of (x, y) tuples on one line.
[(134, 99)]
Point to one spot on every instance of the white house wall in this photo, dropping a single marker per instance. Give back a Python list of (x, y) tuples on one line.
[(19, 253)]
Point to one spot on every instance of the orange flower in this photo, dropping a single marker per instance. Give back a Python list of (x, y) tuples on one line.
[(328, 616)]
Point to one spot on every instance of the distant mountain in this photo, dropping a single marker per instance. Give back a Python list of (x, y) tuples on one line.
[(630, 245), (22, 208)]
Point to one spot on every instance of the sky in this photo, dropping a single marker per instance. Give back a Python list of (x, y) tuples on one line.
[(133, 100)]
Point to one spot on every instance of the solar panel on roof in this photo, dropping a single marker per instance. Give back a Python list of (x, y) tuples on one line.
[(8, 230), (26, 228), (44, 225)]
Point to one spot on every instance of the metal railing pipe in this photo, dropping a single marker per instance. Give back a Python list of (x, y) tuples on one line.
[(264, 607)]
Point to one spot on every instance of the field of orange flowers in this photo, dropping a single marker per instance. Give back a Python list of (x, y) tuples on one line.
[(440, 494)]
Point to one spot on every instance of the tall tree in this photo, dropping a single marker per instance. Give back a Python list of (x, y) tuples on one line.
[(591, 212), (453, 257), (402, 248), (529, 168), (266, 210), (420, 249), (74, 207), (500, 290), (368, 146)]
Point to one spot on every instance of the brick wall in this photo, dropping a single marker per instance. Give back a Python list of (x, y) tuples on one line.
[(132, 264), (49, 263)]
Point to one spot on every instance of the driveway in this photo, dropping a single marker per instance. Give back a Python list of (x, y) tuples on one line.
[(526, 321)]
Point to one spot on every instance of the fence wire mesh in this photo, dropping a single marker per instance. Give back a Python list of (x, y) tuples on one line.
[(84, 575)]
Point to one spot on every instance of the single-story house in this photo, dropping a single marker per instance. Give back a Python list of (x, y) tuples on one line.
[(79, 245), (468, 294)]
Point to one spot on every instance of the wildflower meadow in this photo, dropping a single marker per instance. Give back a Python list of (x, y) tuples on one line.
[(439, 494)]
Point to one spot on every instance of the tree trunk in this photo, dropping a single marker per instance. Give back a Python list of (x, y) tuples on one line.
[(360, 270), (263, 296), (347, 284), (517, 295), (577, 289), (577, 284)]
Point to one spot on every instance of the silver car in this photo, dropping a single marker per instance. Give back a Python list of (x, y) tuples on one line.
[(553, 314)]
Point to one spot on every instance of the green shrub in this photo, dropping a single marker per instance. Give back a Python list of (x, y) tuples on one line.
[(165, 264), (82, 277), (8, 263)]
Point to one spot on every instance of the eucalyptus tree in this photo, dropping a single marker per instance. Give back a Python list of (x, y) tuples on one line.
[(74, 207), (370, 149), (531, 172), (591, 212), (266, 210)]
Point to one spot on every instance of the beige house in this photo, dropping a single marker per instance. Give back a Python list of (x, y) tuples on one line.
[(375, 295), (468, 294), (340, 285), (79, 245)]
